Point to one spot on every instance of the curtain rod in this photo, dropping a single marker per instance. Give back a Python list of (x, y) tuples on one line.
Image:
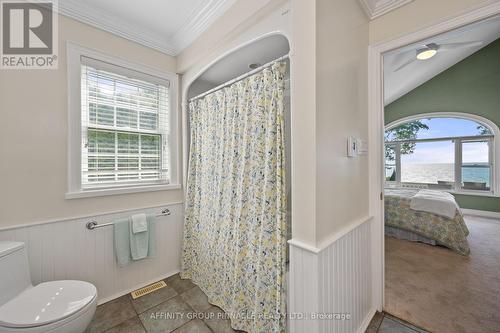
[(239, 78)]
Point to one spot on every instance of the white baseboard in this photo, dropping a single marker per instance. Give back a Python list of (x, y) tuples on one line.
[(481, 213), (367, 321)]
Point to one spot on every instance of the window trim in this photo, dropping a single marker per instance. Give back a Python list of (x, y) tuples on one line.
[(74, 54), (495, 149)]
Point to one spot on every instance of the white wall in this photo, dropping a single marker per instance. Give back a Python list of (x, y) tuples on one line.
[(342, 111), (34, 138), (330, 269), (304, 105)]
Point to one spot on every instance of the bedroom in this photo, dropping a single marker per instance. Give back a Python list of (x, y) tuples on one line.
[(442, 210)]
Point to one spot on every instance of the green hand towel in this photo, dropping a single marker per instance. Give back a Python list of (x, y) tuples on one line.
[(152, 235), (139, 241), (122, 239)]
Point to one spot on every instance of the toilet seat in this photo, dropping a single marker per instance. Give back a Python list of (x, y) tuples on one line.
[(47, 303)]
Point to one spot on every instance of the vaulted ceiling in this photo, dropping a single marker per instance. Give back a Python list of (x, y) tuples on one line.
[(403, 73)]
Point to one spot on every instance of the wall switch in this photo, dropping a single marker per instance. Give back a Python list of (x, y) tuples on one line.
[(352, 147)]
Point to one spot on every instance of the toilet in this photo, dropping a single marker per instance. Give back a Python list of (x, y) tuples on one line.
[(65, 306)]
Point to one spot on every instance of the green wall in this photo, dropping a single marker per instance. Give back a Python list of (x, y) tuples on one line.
[(471, 86)]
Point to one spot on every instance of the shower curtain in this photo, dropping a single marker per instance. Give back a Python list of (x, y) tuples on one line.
[(235, 225)]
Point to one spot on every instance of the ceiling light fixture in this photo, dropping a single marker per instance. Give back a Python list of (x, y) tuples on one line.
[(429, 51)]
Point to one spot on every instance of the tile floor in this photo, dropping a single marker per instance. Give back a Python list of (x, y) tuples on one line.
[(174, 309), (170, 309), (385, 323)]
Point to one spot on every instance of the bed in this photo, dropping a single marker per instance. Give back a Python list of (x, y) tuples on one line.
[(402, 221)]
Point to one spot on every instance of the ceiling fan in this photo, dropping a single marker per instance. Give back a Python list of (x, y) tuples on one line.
[(428, 51)]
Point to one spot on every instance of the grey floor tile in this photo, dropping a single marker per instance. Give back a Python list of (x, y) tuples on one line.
[(110, 314), (148, 301), (196, 298), (391, 326), (194, 326), (218, 321), (419, 330), (375, 323), (180, 285), (167, 316), (133, 325)]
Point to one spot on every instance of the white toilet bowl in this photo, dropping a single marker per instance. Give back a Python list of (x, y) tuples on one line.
[(57, 307)]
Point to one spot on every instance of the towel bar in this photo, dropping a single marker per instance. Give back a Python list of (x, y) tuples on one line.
[(93, 224)]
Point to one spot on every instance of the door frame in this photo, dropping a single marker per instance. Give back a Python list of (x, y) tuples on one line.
[(376, 130)]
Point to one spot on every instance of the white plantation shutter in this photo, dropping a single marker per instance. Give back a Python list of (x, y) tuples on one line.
[(125, 126)]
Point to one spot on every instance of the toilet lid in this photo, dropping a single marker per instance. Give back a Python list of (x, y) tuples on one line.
[(46, 303)]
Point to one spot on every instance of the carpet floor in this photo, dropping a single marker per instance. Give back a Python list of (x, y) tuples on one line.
[(441, 291)]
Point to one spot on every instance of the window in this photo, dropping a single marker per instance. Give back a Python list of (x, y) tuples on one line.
[(121, 134), (476, 165), (447, 153)]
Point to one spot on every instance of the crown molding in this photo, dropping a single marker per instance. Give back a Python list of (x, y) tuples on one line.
[(79, 11), (378, 8), (199, 20)]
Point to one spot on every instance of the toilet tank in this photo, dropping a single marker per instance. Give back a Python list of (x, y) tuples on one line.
[(14, 270)]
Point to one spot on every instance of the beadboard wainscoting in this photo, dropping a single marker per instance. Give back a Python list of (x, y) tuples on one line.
[(334, 279), (66, 250)]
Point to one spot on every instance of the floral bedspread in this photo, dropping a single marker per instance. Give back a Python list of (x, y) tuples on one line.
[(451, 233)]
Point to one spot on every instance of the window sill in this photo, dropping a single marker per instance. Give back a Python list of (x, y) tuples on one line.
[(120, 190), (462, 192), (475, 193)]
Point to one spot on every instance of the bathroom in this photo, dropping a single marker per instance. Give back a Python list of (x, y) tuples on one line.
[(192, 166), (217, 165), (95, 232)]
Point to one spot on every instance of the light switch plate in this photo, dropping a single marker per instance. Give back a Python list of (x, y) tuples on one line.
[(352, 147)]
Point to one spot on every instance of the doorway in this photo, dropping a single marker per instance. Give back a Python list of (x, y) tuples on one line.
[(377, 129)]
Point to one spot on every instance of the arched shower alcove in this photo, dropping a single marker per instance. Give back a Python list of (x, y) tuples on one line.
[(237, 63), (245, 61)]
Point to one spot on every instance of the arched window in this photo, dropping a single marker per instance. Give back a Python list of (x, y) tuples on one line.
[(454, 152)]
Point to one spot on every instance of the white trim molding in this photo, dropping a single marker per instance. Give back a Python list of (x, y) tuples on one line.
[(120, 190), (367, 321), (376, 128), (200, 19), (332, 238), (445, 114), (376, 8), (494, 151), (198, 22), (75, 52), (87, 216), (481, 213)]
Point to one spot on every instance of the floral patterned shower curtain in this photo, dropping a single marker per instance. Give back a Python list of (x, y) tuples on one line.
[(235, 224)]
